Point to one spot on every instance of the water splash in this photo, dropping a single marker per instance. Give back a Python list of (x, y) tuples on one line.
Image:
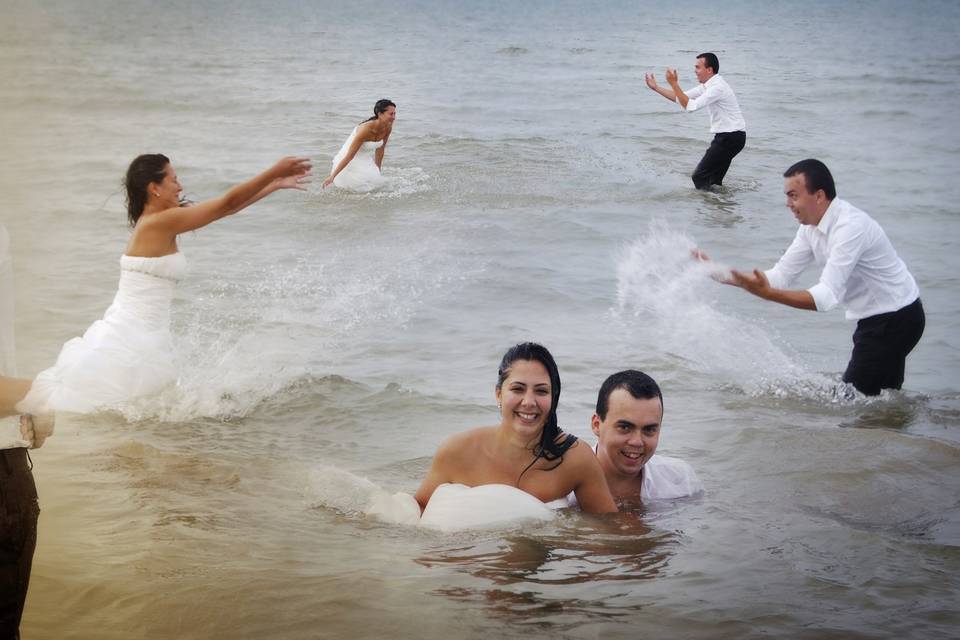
[(395, 183), (239, 343), (670, 298), (404, 181)]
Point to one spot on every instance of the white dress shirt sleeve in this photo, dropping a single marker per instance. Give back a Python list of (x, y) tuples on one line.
[(700, 96), (847, 243), (692, 94), (667, 478), (792, 263)]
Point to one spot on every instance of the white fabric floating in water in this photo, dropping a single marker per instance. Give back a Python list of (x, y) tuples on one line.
[(454, 507), (399, 508)]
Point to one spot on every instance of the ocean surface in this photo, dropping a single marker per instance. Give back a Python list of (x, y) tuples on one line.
[(536, 190)]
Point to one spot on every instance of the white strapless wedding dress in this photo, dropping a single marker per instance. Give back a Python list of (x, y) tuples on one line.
[(457, 507), (125, 355), (362, 174), (454, 507)]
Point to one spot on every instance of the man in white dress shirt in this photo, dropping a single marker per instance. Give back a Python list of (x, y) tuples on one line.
[(861, 271), (726, 120), (627, 425)]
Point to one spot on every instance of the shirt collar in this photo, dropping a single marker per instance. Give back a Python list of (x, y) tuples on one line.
[(715, 76), (829, 217)]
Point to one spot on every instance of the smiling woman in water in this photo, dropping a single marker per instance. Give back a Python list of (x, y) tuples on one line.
[(526, 451), (358, 164)]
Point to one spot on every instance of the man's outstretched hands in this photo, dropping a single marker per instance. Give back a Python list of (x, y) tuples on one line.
[(756, 282)]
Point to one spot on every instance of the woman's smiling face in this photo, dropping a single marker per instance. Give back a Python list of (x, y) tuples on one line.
[(525, 397)]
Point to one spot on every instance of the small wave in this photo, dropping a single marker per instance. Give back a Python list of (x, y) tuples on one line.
[(341, 491), (513, 51), (891, 113)]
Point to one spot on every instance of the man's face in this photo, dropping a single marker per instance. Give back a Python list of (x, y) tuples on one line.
[(703, 72), (629, 435), (807, 208)]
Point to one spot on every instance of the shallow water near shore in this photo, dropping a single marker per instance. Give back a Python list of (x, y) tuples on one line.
[(535, 190)]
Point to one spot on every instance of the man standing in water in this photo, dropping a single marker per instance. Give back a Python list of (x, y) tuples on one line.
[(627, 425), (726, 120), (861, 271)]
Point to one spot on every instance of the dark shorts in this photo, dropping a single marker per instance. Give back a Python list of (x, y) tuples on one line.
[(880, 347), (19, 511)]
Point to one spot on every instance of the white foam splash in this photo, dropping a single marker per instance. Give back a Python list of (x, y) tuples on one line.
[(395, 183), (669, 296), (243, 342), (404, 181)]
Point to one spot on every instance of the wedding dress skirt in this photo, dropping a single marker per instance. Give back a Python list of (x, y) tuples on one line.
[(126, 354), (454, 507), (362, 174)]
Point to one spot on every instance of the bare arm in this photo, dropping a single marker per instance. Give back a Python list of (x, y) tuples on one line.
[(12, 391), (678, 93), (592, 492), (290, 182), (378, 156), (666, 93), (435, 477), (358, 140), (758, 285), (160, 228)]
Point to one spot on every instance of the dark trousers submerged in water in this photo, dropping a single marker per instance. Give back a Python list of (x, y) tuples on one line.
[(19, 511), (880, 347), (715, 162)]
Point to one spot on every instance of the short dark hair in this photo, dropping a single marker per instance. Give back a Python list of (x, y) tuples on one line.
[(637, 384), (816, 176), (710, 61)]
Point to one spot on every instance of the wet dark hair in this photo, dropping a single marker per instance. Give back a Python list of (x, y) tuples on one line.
[(150, 167), (637, 384), (553, 442), (380, 107), (816, 176), (710, 61)]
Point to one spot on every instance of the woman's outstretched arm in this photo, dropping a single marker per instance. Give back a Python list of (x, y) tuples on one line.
[(175, 221)]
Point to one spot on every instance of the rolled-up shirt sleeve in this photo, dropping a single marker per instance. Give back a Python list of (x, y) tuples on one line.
[(701, 96), (692, 94), (791, 264), (845, 248)]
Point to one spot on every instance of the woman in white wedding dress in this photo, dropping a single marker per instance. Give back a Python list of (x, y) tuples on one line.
[(357, 165), (515, 467), (128, 353)]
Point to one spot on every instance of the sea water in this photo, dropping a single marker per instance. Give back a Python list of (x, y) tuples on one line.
[(536, 190)]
